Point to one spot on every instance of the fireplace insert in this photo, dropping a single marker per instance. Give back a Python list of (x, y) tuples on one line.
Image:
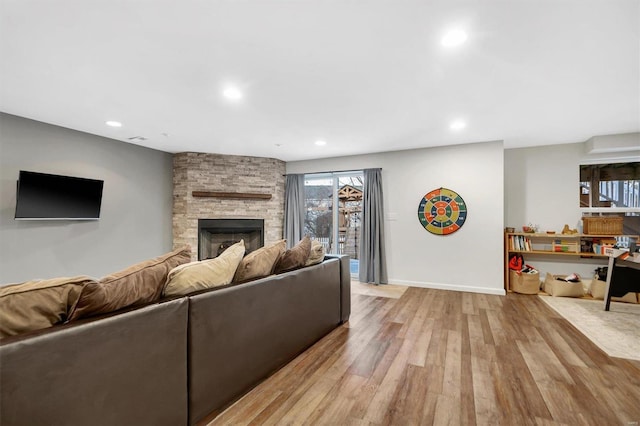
[(216, 235)]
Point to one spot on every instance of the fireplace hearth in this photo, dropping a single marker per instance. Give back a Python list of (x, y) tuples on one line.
[(216, 235)]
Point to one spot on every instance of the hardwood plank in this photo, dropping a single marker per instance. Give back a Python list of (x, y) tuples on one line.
[(452, 366), (482, 302), (543, 364), (561, 348), (486, 328), (338, 402), (255, 403), (368, 305), (366, 393), (594, 357), (499, 328), (474, 325), (407, 299), (407, 314), (517, 394), (381, 400), (340, 361), (407, 404), (447, 411), (484, 392), (429, 410), (416, 323), (366, 362), (467, 406), (305, 405), (469, 307), (436, 352), (418, 356)]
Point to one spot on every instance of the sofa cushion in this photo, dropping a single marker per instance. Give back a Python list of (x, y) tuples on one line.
[(295, 257), (38, 304), (138, 284), (194, 276), (259, 263), (316, 254)]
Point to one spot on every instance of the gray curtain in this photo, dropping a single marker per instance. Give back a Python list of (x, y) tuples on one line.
[(294, 209), (373, 264)]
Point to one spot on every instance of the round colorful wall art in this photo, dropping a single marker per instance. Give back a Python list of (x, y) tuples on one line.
[(442, 211)]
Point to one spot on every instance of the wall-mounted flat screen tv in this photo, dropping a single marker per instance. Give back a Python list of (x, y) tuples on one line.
[(42, 196)]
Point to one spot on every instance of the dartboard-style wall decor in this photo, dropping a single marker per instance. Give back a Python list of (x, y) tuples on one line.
[(442, 211)]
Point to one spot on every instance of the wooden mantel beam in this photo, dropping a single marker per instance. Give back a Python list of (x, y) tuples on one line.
[(231, 195)]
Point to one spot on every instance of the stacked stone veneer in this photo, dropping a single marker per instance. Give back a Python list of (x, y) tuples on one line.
[(225, 173)]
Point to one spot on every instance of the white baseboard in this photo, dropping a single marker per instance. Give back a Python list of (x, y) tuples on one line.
[(452, 287)]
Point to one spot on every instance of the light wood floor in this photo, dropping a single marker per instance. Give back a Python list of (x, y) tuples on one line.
[(443, 357), (386, 290)]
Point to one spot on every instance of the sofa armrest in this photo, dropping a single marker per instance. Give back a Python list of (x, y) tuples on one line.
[(345, 285)]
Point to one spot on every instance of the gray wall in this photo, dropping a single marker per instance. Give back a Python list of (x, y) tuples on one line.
[(135, 220)]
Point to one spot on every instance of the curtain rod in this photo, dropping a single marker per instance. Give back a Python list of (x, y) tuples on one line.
[(334, 171)]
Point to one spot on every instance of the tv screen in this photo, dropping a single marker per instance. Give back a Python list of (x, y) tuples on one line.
[(42, 196)]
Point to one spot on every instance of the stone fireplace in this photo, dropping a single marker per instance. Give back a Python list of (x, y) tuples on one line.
[(215, 186), (216, 235)]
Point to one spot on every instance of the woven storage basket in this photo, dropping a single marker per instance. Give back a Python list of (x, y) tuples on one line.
[(598, 288), (524, 283), (602, 225), (556, 287)]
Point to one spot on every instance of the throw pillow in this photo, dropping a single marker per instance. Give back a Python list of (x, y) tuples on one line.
[(194, 276), (138, 284), (295, 257), (259, 263), (317, 253), (38, 304)]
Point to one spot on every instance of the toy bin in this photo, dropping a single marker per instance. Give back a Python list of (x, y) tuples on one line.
[(524, 283)]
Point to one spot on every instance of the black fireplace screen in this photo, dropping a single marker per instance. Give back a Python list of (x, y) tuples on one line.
[(216, 235)]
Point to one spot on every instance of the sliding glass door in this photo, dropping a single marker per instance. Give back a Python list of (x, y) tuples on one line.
[(333, 212)]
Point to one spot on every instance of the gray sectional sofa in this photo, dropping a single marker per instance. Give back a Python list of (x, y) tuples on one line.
[(173, 362)]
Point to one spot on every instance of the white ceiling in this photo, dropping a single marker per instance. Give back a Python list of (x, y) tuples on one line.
[(365, 76)]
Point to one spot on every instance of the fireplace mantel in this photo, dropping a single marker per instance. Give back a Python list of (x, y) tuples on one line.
[(231, 195)]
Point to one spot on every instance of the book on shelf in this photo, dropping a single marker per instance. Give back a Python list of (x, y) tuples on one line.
[(519, 243)]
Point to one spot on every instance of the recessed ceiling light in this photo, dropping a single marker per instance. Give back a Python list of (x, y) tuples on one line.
[(457, 125), (113, 123), (321, 143), (232, 93), (454, 38)]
